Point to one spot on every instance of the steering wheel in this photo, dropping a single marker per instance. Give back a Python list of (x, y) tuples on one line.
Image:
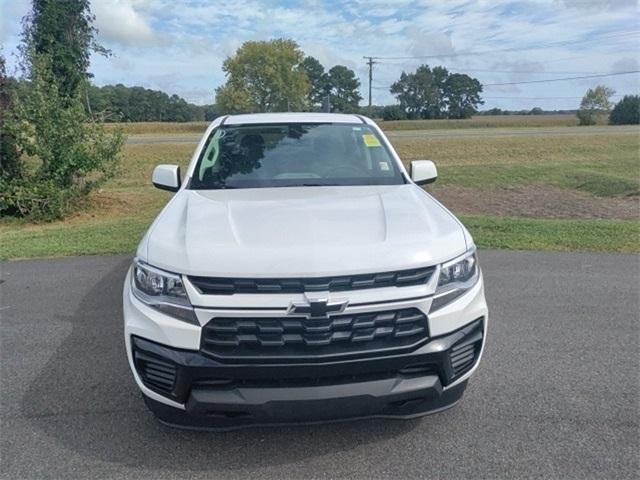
[(335, 171)]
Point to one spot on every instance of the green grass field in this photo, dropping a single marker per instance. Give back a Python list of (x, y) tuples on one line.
[(600, 167), (122, 234), (604, 165)]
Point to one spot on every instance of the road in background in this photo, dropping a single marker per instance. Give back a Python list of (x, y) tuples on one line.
[(556, 394), (435, 133)]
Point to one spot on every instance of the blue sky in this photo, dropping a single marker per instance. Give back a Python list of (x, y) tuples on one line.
[(178, 45)]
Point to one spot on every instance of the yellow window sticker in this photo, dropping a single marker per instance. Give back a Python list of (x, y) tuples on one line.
[(370, 140)]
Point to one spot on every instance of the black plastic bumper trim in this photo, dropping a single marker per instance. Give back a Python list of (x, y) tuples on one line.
[(294, 407), (220, 395)]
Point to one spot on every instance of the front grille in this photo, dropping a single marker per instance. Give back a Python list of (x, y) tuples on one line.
[(155, 372), (229, 286), (300, 337)]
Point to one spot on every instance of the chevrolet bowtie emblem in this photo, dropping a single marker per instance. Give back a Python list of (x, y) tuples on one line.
[(316, 307)]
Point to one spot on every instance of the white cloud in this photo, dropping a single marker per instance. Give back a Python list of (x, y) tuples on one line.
[(118, 22), (626, 64)]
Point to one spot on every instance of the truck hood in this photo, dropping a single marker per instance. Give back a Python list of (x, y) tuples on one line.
[(301, 232)]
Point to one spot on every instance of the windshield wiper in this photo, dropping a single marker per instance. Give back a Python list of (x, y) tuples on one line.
[(219, 186), (315, 185)]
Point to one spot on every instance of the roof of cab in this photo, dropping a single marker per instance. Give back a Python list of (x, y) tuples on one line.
[(293, 117)]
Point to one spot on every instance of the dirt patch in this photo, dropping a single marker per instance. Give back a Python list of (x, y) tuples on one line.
[(536, 201)]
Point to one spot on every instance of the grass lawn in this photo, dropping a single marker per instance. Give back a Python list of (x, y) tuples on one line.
[(600, 166), (604, 165), (121, 235)]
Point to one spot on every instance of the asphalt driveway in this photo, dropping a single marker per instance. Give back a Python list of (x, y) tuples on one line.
[(557, 394)]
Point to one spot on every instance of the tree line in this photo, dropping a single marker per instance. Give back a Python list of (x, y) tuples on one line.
[(119, 103)]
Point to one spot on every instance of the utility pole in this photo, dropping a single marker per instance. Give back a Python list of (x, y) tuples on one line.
[(326, 103), (370, 62)]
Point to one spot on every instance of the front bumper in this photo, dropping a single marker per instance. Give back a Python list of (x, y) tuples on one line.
[(184, 386), (219, 395), (285, 406)]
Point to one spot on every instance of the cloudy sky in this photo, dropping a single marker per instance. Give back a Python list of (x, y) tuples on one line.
[(178, 45)]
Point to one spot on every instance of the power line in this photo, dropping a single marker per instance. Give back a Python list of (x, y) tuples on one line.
[(510, 49), (538, 72), (540, 98), (547, 80), (525, 72)]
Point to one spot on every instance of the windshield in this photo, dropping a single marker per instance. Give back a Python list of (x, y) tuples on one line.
[(296, 154)]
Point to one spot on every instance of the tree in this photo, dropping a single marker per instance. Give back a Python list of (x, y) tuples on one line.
[(10, 165), (73, 154), (317, 81), (436, 93), (343, 86), (626, 111), (417, 92), (595, 105), (439, 106), (265, 76), (463, 95), (64, 32), (69, 152)]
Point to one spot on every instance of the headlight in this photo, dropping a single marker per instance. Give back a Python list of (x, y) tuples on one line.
[(162, 290), (456, 277)]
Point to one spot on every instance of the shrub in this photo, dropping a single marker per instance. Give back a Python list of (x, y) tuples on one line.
[(71, 153), (586, 117), (36, 199), (9, 158), (394, 112), (595, 105), (626, 111)]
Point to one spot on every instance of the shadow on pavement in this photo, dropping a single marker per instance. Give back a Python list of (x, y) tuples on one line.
[(85, 397)]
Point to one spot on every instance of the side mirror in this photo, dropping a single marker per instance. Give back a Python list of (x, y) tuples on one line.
[(167, 177), (423, 172)]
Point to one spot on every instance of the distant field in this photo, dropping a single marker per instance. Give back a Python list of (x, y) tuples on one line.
[(141, 128), (484, 121), (503, 121), (570, 192)]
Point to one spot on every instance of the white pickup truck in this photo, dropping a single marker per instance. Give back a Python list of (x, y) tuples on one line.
[(300, 273)]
